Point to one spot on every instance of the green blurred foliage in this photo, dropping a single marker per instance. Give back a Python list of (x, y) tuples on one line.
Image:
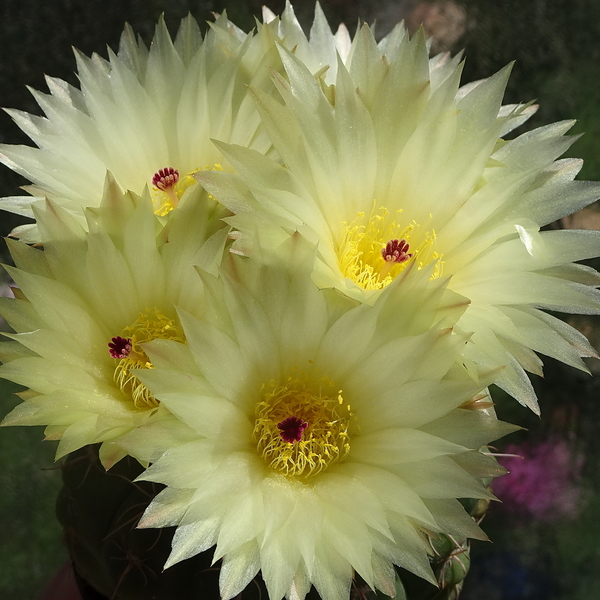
[(556, 49), (31, 549)]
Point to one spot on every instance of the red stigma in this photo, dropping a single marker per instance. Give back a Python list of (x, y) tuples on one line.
[(165, 178), (292, 429), (396, 251), (119, 347)]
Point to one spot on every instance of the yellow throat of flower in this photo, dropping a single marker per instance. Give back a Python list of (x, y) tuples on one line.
[(375, 249), (168, 187), (302, 426), (127, 351)]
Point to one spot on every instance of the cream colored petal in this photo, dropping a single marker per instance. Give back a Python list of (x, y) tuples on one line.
[(441, 478), (453, 519), (239, 567), (397, 446)]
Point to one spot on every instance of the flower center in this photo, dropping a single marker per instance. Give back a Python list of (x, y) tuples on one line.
[(302, 426), (396, 251), (168, 187), (127, 350), (292, 429), (375, 249), (119, 347), (165, 179)]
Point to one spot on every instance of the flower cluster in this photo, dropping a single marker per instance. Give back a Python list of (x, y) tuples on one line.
[(281, 272), (543, 481)]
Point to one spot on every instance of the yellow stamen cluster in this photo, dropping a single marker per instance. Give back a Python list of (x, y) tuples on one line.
[(359, 250), (325, 439), (168, 199), (148, 326)]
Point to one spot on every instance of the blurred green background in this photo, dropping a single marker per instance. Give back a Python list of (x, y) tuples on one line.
[(556, 46)]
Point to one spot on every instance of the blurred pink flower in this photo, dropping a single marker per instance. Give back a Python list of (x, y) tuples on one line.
[(543, 480)]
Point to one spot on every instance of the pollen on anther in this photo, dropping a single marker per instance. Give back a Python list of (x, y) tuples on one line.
[(396, 251), (292, 429), (119, 347), (165, 178)]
